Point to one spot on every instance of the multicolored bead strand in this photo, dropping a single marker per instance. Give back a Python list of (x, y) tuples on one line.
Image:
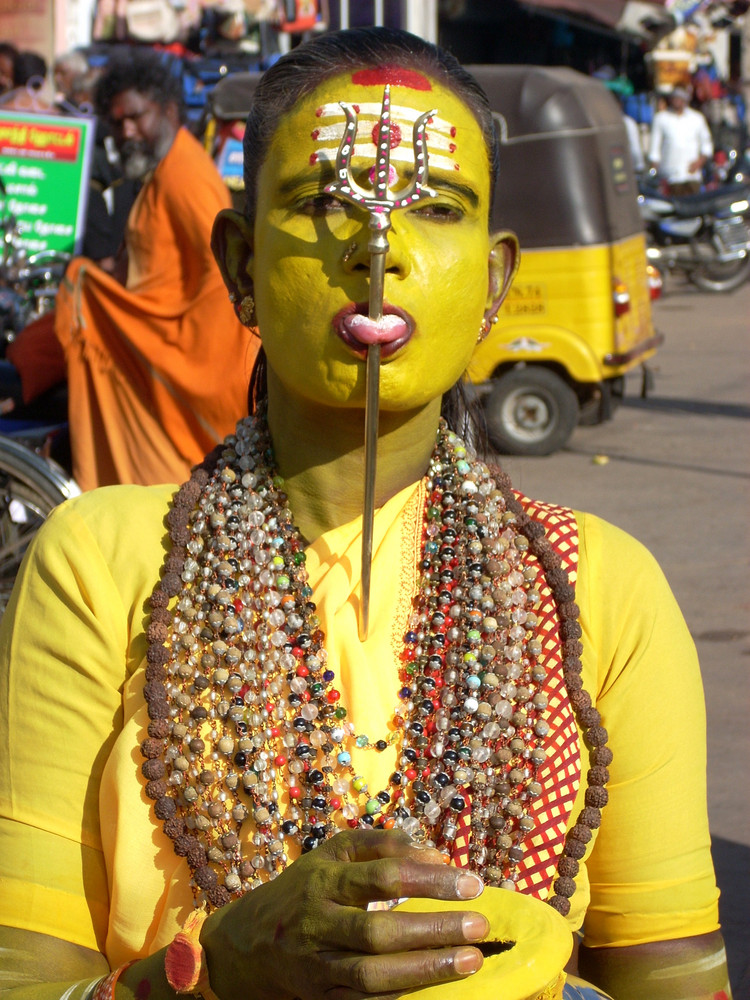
[(247, 723)]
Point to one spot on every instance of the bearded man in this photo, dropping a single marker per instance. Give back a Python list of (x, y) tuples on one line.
[(149, 394)]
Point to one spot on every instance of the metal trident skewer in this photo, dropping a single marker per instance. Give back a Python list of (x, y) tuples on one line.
[(378, 202)]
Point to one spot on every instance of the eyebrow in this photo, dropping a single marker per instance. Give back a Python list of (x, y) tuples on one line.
[(463, 190), (303, 177)]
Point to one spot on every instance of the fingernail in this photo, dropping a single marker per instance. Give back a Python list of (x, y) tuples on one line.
[(469, 886), (475, 927), (467, 961)]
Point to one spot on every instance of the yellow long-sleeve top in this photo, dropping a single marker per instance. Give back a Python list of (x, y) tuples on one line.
[(81, 855)]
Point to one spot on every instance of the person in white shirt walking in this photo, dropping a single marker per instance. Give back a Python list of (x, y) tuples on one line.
[(681, 144)]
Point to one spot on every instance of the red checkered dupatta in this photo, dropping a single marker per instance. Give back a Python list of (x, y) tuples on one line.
[(560, 776)]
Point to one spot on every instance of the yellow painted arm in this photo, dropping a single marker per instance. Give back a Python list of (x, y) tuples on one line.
[(40, 967), (692, 968)]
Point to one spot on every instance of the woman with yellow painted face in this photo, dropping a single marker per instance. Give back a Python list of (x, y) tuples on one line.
[(212, 784)]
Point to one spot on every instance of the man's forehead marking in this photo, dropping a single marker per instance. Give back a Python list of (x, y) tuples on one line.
[(396, 76), (327, 135)]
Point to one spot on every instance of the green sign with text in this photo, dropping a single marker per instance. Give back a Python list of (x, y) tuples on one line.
[(44, 164)]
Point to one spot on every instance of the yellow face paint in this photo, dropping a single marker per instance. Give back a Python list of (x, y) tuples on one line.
[(310, 266)]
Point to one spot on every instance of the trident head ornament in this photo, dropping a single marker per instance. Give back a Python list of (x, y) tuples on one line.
[(381, 200), (378, 201)]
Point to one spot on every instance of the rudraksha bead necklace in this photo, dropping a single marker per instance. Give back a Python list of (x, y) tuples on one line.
[(247, 726)]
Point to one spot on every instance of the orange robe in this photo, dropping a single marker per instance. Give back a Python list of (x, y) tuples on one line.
[(158, 370)]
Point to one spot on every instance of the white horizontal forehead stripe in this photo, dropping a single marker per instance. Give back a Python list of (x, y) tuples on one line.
[(333, 133), (398, 155), (373, 111)]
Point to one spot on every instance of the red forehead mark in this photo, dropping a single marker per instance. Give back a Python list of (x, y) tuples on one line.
[(319, 112), (313, 159), (356, 107), (395, 134), (315, 133), (397, 76), (453, 131)]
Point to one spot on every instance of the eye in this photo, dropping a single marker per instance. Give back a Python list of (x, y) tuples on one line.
[(439, 212), (321, 204)]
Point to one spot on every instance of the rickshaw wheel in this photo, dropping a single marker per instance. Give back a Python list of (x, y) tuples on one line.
[(530, 411)]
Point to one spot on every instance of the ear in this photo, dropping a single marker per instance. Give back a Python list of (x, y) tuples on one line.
[(232, 246), (504, 258), (172, 114)]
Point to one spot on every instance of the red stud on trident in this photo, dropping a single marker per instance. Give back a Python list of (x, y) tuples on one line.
[(378, 202)]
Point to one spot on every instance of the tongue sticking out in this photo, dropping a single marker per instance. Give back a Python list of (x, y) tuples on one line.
[(385, 330)]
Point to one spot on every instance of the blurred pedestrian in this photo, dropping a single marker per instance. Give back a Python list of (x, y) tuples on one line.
[(111, 195), (681, 144), (634, 144), (147, 397), (29, 90), (8, 53), (67, 72), (29, 70)]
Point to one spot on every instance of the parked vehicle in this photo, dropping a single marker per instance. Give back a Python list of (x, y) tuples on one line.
[(706, 236), (28, 282), (31, 484), (578, 316), (729, 166)]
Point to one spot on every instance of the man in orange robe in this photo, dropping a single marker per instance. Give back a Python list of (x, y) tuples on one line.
[(158, 367)]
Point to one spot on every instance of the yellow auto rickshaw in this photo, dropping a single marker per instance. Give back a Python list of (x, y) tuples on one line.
[(578, 316)]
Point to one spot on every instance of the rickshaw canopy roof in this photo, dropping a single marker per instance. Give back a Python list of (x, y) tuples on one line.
[(566, 177)]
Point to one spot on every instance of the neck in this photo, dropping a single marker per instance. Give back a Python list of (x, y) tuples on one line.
[(320, 453)]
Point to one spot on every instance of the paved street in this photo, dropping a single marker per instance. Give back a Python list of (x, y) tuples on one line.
[(674, 473)]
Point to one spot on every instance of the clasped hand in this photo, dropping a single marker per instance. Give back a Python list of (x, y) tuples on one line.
[(308, 933)]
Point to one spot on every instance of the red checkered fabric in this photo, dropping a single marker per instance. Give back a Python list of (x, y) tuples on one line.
[(560, 776)]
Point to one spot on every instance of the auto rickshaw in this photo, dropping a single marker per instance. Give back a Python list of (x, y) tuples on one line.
[(578, 316)]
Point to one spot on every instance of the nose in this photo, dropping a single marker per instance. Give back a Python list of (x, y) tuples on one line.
[(356, 256), (401, 246), (128, 128)]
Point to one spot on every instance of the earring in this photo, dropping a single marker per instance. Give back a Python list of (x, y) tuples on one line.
[(233, 297), (485, 327), (348, 253), (246, 311)]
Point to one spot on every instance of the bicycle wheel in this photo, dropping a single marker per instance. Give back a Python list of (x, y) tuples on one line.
[(30, 486)]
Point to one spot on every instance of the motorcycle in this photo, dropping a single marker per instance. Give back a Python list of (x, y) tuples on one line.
[(706, 235), (32, 482), (28, 282)]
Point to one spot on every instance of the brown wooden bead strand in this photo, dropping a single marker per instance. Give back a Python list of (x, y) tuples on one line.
[(187, 842)]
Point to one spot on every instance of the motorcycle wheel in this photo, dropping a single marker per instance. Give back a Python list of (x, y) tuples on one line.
[(30, 486), (721, 276), (530, 411)]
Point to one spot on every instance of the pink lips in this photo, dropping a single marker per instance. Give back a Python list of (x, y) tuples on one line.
[(358, 331)]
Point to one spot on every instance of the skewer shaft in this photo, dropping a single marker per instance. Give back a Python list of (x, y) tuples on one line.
[(372, 408)]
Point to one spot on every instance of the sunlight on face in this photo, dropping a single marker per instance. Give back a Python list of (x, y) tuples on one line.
[(305, 272)]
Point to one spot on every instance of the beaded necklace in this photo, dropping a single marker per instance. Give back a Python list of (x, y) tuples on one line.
[(246, 720)]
